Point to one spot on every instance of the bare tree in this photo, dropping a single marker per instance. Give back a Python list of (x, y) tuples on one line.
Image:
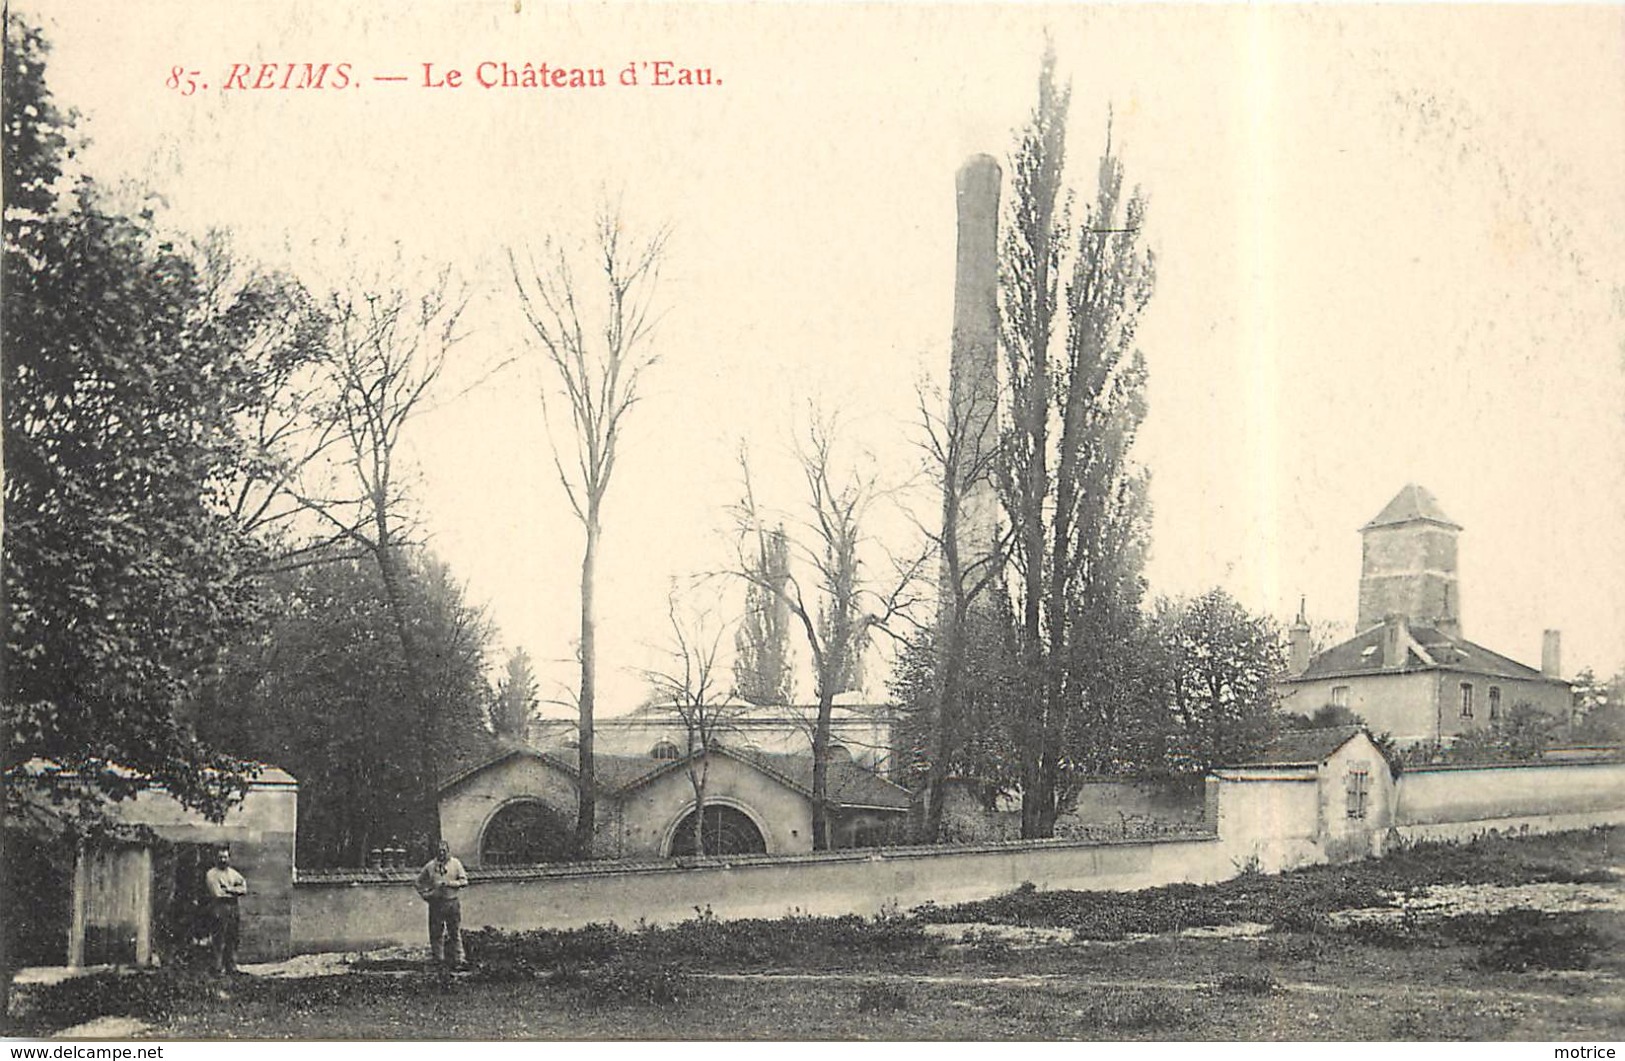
[(598, 355), (690, 686), (837, 606), (962, 456), (386, 350)]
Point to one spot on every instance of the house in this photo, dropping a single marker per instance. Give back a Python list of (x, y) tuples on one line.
[(518, 806), (1409, 671)]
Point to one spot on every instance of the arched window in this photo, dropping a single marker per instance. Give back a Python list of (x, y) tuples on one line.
[(665, 750), (726, 831), (524, 833)]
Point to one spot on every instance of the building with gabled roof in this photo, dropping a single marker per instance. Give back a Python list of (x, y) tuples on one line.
[(517, 806), (1409, 671)]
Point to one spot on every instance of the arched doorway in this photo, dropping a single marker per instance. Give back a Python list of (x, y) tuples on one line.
[(727, 831), (523, 833)]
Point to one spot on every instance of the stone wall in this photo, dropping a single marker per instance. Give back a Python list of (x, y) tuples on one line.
[(1450, 802), (1268, 819)]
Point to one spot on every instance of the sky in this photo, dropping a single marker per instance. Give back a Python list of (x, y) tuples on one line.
[(1390, 248)]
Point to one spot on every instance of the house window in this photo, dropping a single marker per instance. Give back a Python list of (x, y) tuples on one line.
[(524, 833), (1340, 696), (1466, 699), (726, 832), (665, 750), (1359, 792), (1495, 703)]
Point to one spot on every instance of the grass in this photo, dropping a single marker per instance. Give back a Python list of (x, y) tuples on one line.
[(1519, 974), (1299, 900)]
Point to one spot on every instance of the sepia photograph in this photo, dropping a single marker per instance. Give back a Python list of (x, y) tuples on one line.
[(890, 521)]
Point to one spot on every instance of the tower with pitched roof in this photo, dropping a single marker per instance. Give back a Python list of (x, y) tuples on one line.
[(1408, 564)]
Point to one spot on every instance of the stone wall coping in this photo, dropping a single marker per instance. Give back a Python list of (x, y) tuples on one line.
[(1601, 760), (402, 877)]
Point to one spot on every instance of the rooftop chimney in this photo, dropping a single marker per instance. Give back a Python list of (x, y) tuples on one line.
[(1394, 647), (1301, 644), (1551, 654)]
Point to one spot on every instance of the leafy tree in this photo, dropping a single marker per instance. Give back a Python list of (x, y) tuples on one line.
[(322, 688), (517, 697), (763, 671), (1075, 502), (598, 362), (1598, 715), (1220, 664), (1524, 733), (964, 733), (128, 372), (1603, 724)]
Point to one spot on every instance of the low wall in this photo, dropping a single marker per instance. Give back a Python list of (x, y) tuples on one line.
[(348, 911), (1459, 802), (1270, 819)]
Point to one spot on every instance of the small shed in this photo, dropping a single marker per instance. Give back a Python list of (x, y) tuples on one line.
[(1353, 804), (130, 893)]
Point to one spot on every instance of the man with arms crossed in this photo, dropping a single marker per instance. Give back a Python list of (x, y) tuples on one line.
[(224, 886)]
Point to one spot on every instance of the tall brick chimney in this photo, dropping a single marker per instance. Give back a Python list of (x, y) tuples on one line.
[(973, 392), (1551, 654)]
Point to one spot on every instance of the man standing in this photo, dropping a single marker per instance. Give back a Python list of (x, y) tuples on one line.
[(439, 884), (224, 886)]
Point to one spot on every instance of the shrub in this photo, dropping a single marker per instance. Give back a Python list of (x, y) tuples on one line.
[(631, 981), (1519, 940), (1261, 982), (882, 998), (1291, 948)]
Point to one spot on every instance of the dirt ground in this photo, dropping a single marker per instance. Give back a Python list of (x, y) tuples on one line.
[(1526, 943)]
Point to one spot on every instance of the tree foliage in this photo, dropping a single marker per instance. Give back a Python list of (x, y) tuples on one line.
[(1219, 665), (764, 672), (129, 370), (517, 697), (1075, 501), (323, 689), (971, 738)]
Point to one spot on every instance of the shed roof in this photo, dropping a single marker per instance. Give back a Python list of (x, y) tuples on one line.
[(1304, 747)]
